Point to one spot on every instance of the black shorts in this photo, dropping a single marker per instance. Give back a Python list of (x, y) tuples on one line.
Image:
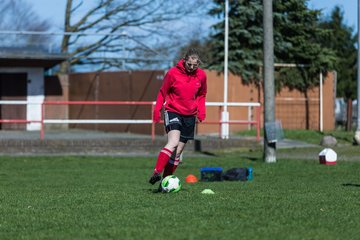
[(185, 124)]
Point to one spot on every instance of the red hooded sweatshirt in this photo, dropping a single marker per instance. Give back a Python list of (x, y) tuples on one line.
[(183, 93)]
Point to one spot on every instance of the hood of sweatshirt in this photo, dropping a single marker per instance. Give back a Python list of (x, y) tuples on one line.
[(182, 69)]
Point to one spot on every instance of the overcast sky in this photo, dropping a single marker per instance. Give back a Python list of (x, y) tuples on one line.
[(54, 9)]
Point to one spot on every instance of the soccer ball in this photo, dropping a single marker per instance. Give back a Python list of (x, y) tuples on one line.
[(171, 184)]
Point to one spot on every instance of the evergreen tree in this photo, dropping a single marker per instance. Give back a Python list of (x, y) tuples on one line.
[(297, 40), (342, 42), (300, 42), (245, 38)]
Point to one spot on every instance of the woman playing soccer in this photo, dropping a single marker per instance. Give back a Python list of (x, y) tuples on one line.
[(182, 94)]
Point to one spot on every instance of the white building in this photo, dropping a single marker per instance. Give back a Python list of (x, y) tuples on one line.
[(22, 79)]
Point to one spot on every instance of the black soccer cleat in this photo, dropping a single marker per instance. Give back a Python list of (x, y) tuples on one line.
[(155, 178)]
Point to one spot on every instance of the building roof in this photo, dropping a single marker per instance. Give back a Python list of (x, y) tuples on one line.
[(25, 59)]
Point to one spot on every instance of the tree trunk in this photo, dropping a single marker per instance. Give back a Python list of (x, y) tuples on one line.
[(307, 111), (349, 115), (65, 66)]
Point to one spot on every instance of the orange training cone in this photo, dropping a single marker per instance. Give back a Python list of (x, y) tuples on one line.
[(191, 179)]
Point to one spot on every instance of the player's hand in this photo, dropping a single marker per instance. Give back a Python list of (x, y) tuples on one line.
[(200, 119), (156, 116)]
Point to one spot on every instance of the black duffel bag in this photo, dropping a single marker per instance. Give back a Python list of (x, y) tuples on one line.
[(235, 174)]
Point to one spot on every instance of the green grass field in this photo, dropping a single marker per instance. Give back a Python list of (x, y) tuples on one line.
[(109, 198)]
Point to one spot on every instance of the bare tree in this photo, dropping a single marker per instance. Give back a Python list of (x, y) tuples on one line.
[(18, 15), (128, 24)]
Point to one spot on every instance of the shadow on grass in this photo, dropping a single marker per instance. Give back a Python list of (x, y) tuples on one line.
[(208, 153), (253, 159), (351, 185), (158, 191)]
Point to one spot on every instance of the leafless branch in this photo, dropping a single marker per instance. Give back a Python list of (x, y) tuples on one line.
[(18, 15), (147, 19)]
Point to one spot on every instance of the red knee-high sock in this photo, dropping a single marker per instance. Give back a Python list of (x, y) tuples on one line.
[(162, 160), (171, 167)]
